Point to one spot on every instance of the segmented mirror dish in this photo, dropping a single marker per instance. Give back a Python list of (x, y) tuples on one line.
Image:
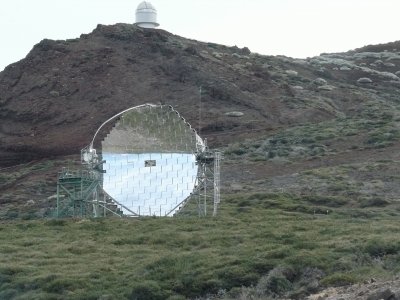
[(150, 161)]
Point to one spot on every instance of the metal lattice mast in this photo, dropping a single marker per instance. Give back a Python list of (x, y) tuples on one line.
[(217, 159)]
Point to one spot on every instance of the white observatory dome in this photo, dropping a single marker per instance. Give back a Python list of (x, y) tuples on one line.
[(146, 15)]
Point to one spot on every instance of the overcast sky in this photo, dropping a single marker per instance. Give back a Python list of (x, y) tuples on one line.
[(297, 28)]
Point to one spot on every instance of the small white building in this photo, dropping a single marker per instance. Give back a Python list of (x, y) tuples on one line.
[(146, 15)]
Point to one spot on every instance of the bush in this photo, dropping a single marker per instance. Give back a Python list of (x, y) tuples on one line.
[(148, 290), (325, 200), (60, 285), (176, 297), (11, 214), (378, 202), (276, 282), (338, 279), (56, 222), (379, 248), (232, 276), (239, 151), (8, 294), (279, 284)]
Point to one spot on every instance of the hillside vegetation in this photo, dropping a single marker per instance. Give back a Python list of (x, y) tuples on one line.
[(277, 244)]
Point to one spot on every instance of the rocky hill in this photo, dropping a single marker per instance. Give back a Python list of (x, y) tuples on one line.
[(52, 101)]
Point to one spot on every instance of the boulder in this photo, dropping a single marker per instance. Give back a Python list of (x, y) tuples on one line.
[(390, 65), (30, 202), (217, 55), (364, 80), (385, 294), (320, 81), (345, 68), (291, 73), (325, 87), (234, 114), (54, 93)]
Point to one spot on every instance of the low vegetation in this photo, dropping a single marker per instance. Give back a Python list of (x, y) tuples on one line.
[(261, 244), (372, 129)]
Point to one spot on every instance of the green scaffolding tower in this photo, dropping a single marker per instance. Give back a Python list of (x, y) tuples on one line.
[(77, 194)]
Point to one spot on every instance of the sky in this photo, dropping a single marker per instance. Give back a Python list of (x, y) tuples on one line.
[(296, 28)]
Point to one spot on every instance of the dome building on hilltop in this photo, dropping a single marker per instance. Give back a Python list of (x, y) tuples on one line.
[(146, 15)]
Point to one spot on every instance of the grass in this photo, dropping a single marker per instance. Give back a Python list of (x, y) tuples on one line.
[(191, 257)]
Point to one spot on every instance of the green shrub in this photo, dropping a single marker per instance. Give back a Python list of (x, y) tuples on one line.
[(29, 216), (176, 297), (148, 290), (56, 222), (239, 151), (392, 263), (329, 201), (260, 196), (11, 214), (4, 278), (277, 282), (305, 259), (59, 285), (338, 279), (307, 140), (11, 270), (377, 202), (211, 286), (244, 203), (379, 248), (271, 154), (232, 276), (8, 293)]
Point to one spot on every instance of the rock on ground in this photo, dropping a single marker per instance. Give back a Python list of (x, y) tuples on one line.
[(388, 290)]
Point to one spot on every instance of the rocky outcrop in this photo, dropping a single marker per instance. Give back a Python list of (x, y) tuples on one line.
[(371, 290)]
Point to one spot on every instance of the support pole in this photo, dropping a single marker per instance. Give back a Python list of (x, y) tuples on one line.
[(205, 191), (58, 200), (217, 159)]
